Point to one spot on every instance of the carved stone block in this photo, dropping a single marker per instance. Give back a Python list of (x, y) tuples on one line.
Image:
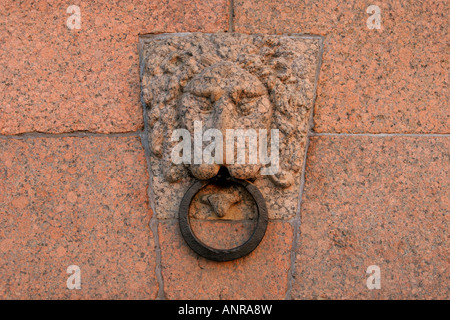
[(228, 81)]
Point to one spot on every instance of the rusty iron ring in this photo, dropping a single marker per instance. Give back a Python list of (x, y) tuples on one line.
[(223, 254)]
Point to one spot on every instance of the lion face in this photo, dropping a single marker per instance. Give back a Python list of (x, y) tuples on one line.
[(225, 96)]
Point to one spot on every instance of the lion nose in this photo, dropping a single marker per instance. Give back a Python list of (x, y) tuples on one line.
[(224, 119)]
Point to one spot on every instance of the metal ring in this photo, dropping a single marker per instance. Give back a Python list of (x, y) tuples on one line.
[(223, 254)]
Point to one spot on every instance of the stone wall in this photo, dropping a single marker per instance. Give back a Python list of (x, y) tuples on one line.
[(75, 178)]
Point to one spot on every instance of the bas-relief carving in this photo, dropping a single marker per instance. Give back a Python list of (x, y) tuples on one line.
[(228, 81)]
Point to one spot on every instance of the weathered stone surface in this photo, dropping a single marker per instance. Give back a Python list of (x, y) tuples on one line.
[(261, 275), (75, 201), (229, 81), (391, 80), (223, 234), (53, 79), (374, 201)]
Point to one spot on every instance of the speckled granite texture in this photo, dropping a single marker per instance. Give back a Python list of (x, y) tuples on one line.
[(272, 81), (58, 80), (264, 272), (85, 198), (391, 80), (75, 201), (374, 201)]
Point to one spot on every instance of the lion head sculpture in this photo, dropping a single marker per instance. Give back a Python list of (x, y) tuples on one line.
[(229, 81)]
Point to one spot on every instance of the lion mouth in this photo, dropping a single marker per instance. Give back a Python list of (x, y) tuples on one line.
[(238, 171)]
